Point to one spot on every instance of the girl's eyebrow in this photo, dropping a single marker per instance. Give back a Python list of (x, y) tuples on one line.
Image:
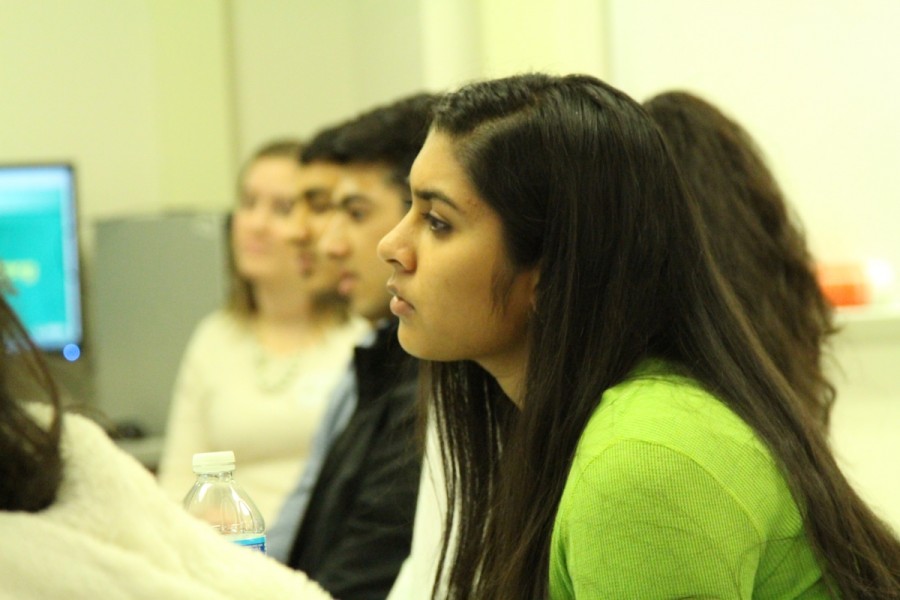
[(431, 195)]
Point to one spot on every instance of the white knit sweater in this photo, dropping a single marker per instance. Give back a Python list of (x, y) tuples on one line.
[(112, 533)]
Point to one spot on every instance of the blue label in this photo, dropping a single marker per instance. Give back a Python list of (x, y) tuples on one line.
[(254, 543)]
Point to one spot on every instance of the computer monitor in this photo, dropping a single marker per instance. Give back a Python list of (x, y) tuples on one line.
[(39, 252)]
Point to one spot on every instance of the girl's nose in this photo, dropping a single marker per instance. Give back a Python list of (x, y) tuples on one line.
[(395, 248)]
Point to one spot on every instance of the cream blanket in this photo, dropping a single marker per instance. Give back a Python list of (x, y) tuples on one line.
[(113, 534)]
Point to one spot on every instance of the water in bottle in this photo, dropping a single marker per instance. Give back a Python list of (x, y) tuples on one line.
[(217, 499)]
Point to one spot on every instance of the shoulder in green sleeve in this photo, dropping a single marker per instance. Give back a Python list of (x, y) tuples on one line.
[(672, 495)]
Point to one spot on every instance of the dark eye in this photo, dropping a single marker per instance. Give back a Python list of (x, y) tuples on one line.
[(357, 215), (318, 202), (437, 225)]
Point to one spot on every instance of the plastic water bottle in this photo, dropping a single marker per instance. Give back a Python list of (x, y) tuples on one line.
[(217, 499)]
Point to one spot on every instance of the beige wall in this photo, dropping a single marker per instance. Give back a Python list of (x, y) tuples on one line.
[(78, 84), (158, 101), (134, 93), (300, 65), (815, 81), (293, 67), (538, 35), (193, 90), (866, 415)]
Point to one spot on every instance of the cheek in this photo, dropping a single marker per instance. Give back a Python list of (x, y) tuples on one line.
[(238, 225), (242, 241), (462, 305), (283, 228)]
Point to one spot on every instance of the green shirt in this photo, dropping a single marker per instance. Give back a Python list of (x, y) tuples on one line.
[(672, 495)]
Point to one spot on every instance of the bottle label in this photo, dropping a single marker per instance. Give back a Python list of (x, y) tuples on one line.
[(256, 542)]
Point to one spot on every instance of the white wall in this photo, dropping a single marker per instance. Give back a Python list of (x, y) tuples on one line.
[(815, 81), (132, 92), (866, 416), (294, 68), (77, 81), (158, 101), (539, 35), (303, 65), (192, 85)]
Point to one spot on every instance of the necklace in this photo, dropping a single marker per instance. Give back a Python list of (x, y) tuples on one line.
[(274, 374)]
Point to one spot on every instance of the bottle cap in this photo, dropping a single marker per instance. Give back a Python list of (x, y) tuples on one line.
[(213, 462)]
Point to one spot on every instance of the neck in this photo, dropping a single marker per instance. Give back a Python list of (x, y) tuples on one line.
[(288, 319), (282, 302), (510, 373)]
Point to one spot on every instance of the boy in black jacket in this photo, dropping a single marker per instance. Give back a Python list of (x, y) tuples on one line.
[(357, 500)]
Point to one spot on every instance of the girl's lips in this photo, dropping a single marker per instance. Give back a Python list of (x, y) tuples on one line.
[(401, 307)]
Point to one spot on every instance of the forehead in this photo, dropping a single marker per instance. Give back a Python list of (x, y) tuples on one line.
[(370, 180), (436, 159), (319, 174), (267, 167), (437, 169)]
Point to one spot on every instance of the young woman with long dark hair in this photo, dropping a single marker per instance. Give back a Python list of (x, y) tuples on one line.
[(611, 424), (754, 238)]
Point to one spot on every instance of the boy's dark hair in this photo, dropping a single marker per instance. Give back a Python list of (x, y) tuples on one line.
[(391, 134)]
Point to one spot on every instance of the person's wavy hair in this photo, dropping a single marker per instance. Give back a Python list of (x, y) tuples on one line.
[(757, 243), (30, 462), (588, 192)]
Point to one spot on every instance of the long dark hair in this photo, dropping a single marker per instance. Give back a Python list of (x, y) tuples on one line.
[(756, 242), (30, 462), (587, 191)]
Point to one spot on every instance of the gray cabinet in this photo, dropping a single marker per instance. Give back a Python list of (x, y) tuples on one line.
[(153, 279)]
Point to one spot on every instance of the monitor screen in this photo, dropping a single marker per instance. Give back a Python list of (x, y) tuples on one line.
[(40, 254)]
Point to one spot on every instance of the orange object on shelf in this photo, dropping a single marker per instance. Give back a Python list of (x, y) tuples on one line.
[(845, 284)]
